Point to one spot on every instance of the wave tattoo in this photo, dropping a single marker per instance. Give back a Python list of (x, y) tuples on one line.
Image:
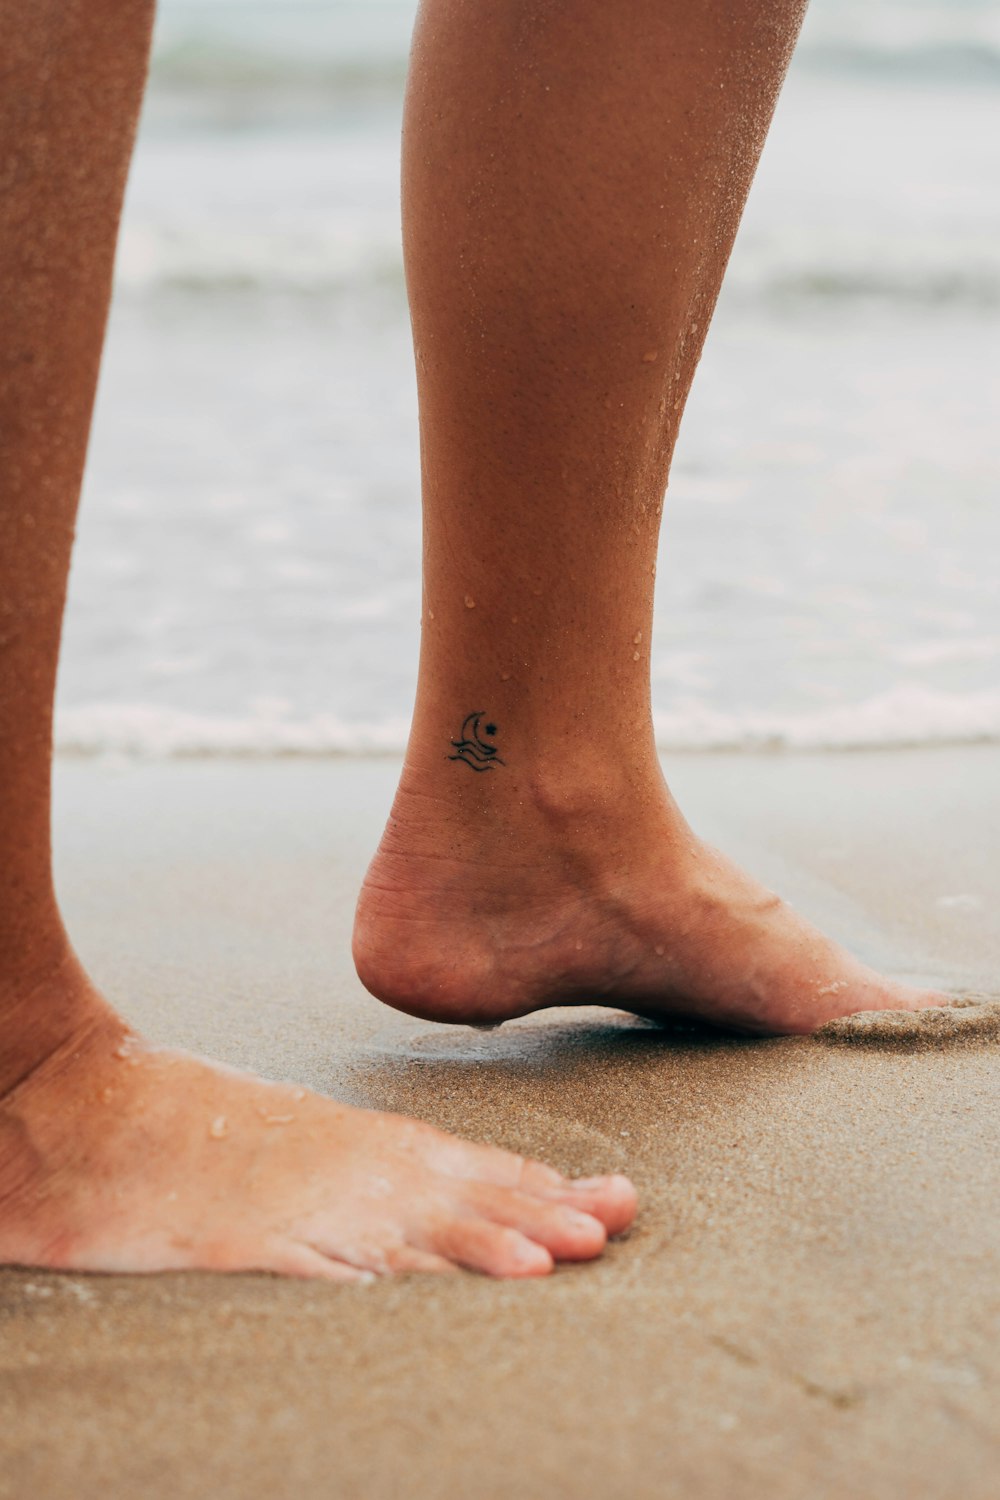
[(472, 749)]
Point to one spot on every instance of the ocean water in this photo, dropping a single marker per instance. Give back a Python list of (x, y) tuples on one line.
[(247, 573)]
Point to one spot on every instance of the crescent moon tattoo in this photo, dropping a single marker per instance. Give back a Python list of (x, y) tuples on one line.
[(473, 746)]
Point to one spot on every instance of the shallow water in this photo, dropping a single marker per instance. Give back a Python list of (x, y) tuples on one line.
[(247, 573)]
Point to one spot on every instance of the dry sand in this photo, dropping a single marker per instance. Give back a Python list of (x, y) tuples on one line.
[(808, 1306)]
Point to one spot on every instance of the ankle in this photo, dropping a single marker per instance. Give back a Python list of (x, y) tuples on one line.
[(604, 794), (531, 758), (556, 797), (45, 1008)]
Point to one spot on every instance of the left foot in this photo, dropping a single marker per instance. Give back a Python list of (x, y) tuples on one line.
[(116, 1156), (480, 906)]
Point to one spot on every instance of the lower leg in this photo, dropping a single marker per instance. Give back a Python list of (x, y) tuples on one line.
[(114, 1155), (68, 110), (573, 178)]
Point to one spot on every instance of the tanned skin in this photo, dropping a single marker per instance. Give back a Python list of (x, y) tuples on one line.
[(115, 1155), (574, 175)]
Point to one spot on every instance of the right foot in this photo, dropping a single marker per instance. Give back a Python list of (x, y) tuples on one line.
[(486, 901), (118, 1156)]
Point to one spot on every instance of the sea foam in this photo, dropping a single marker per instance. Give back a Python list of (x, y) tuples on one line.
[(901, 717)]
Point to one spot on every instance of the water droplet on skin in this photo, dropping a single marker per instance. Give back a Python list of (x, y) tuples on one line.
[(219, 1128), (832, 989), (107, 1095), (659, 950), (299, 1095), (637, 638), (430, 614), (275, 1119), (504, 676), (579, 947), (635, 656), (651, 356), (470, 603)]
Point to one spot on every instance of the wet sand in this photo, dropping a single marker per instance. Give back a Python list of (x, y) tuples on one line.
[(809, 1304)]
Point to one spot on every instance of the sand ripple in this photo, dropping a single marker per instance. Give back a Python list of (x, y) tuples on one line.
[(974, 1018)]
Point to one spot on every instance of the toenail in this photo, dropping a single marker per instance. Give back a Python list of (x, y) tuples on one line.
[(573, 1219), (526, 1253)]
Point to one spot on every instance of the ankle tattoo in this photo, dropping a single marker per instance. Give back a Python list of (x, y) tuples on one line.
[(473, 748)]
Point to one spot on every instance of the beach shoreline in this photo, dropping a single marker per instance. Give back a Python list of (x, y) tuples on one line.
[(807, 1304)]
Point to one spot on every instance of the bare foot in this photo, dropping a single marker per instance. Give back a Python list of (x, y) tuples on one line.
[(489, 901), (118, 1156)]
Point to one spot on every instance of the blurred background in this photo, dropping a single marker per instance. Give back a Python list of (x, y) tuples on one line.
[(247, 577)]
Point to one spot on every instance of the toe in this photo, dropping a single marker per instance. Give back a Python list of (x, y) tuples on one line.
[(409, 1262), (613, 1200), (567, 1233), (305, 1261), (480, 1245)]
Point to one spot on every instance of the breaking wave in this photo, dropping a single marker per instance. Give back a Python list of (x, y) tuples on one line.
[(350, 45), (338, 268), (902, 717)]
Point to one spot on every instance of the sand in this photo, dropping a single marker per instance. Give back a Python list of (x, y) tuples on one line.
[(808, 1306)]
